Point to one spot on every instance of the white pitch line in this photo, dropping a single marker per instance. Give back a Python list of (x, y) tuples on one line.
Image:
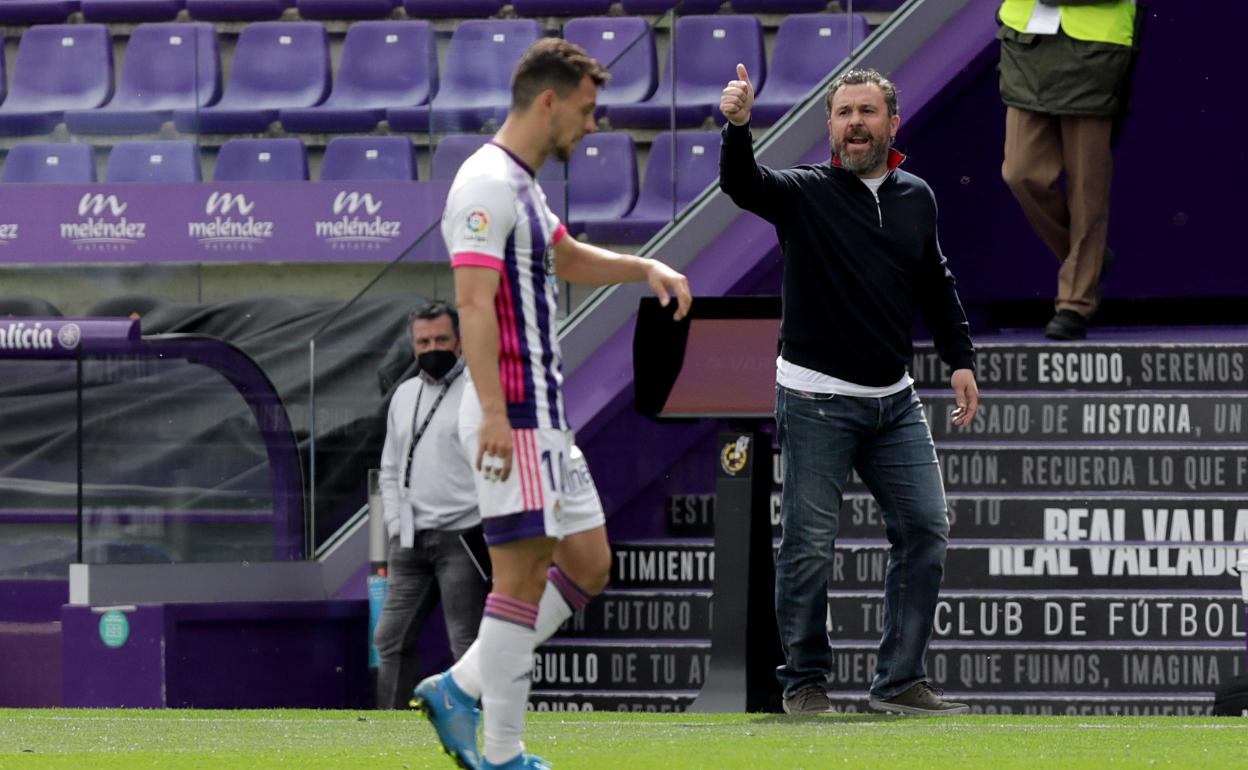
[(874, 723)]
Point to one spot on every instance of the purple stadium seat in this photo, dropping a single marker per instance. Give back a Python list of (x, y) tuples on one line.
[(384, 64), (262, 160), (807, 49), (451, 152), (379, 158), (167, 67), (697, 166), (59, 67), (443, 8), (476, 86), (50, 163), (602, 180), (36, 11), (625, 45), (561, 7), (346, 9), (233, 10), (663, 6), (705, 46), (276, 64), (131, 10), (780, 6), (173, 161)]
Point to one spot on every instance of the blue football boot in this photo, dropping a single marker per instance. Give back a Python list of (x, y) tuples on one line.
[(454, 716), (521, 761)]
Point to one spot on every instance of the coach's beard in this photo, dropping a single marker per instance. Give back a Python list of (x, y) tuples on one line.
[(871, 160)]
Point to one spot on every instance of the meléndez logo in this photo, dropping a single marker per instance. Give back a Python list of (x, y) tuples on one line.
[(357, 223), (232, 226), (102, 224)]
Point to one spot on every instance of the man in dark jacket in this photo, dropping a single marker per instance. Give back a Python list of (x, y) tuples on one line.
[(1063, 75), (861, 257)]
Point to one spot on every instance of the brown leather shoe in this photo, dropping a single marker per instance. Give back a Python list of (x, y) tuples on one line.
[(809, 699), (920, 700)]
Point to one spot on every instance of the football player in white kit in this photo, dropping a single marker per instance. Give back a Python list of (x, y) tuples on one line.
[(542, 517)]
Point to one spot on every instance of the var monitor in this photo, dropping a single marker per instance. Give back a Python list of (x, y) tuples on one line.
[(720, 361)]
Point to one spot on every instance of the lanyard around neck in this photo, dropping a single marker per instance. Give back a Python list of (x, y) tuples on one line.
[(417, 432)]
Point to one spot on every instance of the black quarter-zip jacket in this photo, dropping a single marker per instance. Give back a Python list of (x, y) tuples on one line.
[(855, 270)]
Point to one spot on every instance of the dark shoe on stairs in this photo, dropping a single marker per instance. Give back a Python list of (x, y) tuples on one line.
[(1067, 325)]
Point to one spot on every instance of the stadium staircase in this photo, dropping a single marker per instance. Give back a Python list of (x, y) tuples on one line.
[(1097, 504)]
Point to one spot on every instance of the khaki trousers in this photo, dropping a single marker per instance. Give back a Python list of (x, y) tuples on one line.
[(1038, 148)]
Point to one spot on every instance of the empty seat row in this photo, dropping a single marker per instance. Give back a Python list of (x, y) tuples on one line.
[(377, 158), (389, 70), (603, 196), (467, 8), (55, 11), (807, 48)]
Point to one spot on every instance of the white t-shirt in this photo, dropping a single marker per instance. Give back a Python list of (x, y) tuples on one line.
[(441, 495), (874, 185), (497, 217), (794, 377)]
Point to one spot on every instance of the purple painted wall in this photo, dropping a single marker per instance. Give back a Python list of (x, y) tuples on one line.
[(244, 655), (1178, 178), (30, 664), (32, 601)]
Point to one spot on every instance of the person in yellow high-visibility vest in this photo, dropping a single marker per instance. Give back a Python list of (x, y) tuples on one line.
[(1063, 79)]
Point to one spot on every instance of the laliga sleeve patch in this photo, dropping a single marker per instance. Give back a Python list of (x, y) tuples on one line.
[(476, 226)]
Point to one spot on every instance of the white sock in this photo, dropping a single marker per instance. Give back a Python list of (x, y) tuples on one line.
[(507, 639), (561, 598)]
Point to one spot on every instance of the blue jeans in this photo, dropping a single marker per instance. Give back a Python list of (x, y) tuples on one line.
[(888, 442), (438, 568)]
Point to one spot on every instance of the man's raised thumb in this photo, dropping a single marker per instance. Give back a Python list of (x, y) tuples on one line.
[(743, 75)]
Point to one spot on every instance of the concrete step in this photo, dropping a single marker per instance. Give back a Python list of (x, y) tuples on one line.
[(1055, 703), (576, 700), (1075, 467), (1022, 516), (1063, 703), (1033, 418), (626, 665), (1068, 468), (1139, 616), (657, 615), (1001, 565), (639, 665), (1008, 616), (1175, 360), (1029, 667)]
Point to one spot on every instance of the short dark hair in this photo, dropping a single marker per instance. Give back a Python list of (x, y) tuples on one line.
[(431, 310), (553, 63), (861, 77)]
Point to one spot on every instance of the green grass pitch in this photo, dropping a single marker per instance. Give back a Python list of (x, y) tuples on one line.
[(257, 740)]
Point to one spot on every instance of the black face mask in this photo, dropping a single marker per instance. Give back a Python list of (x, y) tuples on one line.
[(436, 363)]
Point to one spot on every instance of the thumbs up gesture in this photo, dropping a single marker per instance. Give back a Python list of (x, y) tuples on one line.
[(738, 98)]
